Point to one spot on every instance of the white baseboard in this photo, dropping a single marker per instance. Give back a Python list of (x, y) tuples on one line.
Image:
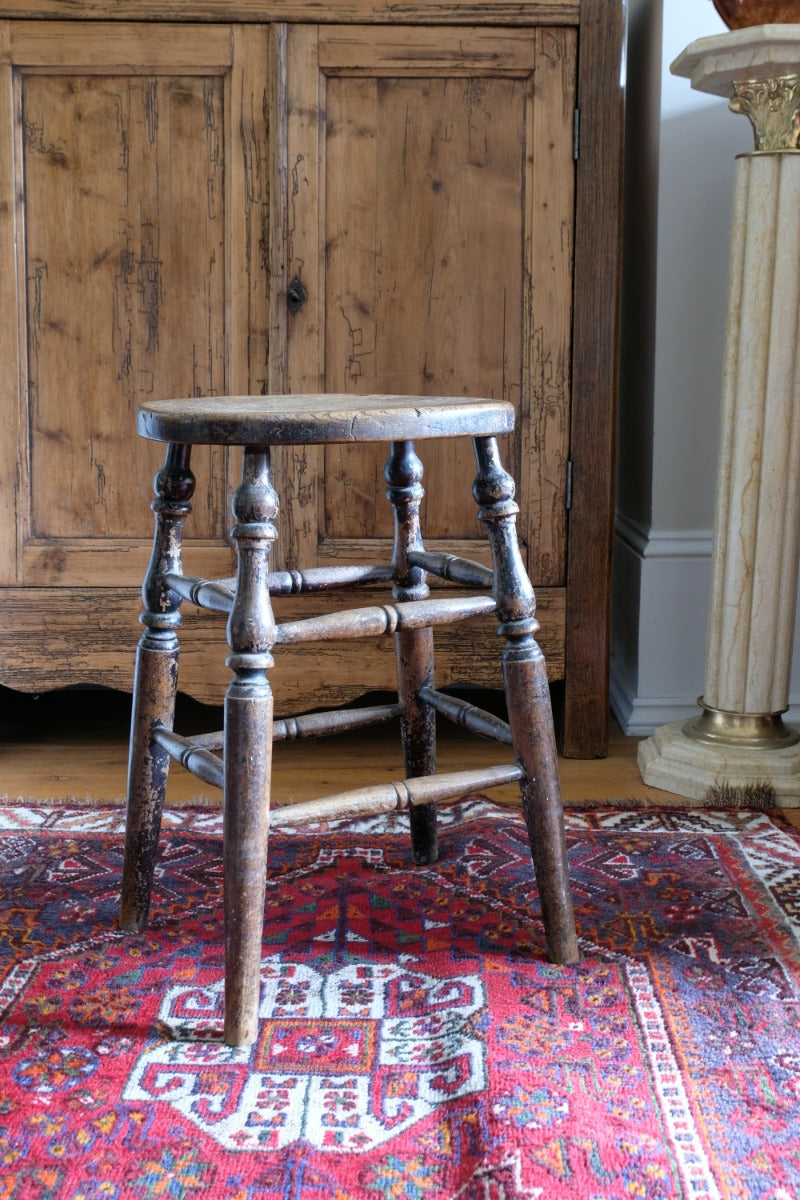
[(661, 588), (661, 585), (663, 543), (638, 715)]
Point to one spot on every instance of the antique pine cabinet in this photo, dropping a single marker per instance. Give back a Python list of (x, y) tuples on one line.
[(439, 180)]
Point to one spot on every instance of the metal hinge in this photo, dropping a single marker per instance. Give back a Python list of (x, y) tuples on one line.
[(576, 134), (568, 491)]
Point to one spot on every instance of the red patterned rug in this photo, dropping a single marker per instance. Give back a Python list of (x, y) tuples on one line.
[(413, 1041)]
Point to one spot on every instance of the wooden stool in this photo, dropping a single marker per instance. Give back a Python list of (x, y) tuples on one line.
[(243, 772)]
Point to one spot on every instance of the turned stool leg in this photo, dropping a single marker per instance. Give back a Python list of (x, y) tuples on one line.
[(528, 700), (154, 689), (413, 647), (248, 748)]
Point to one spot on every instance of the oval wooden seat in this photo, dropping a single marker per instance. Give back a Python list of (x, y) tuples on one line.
[(288, 420)]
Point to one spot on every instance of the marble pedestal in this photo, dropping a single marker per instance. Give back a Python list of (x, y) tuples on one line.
[(738, 750)]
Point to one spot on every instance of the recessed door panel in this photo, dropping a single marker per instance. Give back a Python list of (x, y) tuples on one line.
[(430, 218), (139, 168)]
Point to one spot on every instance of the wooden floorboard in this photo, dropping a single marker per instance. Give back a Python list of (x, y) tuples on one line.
[(73, 746)]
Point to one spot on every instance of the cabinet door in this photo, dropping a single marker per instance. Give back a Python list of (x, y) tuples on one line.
[(133, 153), (134, 181), (429, 215)]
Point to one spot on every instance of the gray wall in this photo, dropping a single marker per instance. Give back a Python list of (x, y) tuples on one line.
[(680, 151)]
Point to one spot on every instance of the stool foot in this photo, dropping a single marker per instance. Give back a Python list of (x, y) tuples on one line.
[(248, 747), (248, 760), (528, 700), (531, 721), (155, 685)]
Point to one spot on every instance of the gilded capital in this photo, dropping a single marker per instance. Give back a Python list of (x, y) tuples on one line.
[(773, 108)]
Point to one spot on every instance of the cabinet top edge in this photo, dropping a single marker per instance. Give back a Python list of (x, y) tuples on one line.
[(400, 12)]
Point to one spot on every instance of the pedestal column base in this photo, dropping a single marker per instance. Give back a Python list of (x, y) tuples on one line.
[(719, 775)]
